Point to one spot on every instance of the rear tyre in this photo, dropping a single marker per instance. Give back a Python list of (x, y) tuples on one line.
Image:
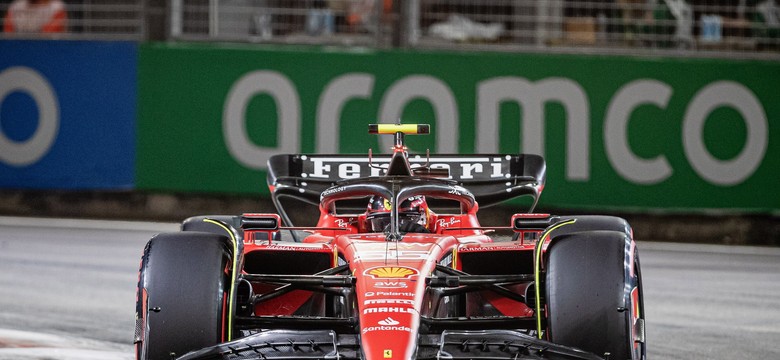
[(594, 300), (182, 300)]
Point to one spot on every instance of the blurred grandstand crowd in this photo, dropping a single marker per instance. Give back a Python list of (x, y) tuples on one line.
[(738, 28)]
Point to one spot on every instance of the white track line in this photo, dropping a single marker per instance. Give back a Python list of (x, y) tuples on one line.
[(26, 345), (708, 248), (87, 224)]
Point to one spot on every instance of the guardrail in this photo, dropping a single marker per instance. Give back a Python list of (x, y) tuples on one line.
[(741, 28)]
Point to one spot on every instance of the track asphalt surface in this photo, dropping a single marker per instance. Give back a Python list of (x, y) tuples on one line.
[(67, 292)]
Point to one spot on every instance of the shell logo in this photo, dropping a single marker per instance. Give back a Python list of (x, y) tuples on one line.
[(391, 272)]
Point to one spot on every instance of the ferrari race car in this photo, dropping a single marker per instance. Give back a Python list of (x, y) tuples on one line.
[(396, 267)]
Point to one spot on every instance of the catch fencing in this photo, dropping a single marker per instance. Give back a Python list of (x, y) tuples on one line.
[(709, 27), (725, 28), (85, 19)]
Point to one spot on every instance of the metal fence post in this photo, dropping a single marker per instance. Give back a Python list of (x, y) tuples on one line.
[(213, 18), (176, 18)]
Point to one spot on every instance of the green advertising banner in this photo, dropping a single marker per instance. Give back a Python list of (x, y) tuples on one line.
[(617, 132)]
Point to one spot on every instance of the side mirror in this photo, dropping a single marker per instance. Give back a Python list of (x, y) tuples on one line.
[(529, 227), (259, 227), (264, 222)]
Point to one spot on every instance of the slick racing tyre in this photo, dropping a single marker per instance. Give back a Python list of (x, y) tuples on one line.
[(182, 300), (594, 295)]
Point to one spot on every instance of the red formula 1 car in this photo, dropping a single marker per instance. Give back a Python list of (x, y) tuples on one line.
[(397, 267)]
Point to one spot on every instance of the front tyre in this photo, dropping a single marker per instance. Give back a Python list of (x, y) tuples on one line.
[(594, 294), (182, 300)]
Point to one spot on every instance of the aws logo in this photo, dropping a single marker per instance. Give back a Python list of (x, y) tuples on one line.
[(391, 272)]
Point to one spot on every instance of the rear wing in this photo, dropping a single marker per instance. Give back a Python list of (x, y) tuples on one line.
[(492, 178)]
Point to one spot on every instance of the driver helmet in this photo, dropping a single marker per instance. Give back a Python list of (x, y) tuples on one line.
[(414, 209)]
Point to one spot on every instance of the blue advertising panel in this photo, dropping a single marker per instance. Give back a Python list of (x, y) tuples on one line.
[(67, 114)]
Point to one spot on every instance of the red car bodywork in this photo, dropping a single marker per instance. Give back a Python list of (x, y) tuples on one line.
[(439, 293), (390, 284)]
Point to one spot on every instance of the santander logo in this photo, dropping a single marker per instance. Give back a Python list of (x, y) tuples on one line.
[(388, 322)]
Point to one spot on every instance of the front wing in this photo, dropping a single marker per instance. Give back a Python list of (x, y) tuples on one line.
[(326, 344)]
